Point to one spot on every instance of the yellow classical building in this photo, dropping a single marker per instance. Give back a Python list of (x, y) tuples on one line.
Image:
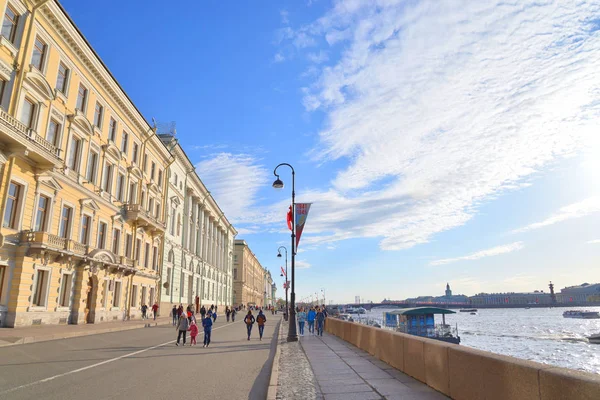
[(82, 179), (248, 277)]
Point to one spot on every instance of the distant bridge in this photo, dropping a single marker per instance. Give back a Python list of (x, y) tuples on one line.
[(402, 304)]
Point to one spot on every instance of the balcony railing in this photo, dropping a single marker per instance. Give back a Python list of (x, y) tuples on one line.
[(27, 133), (137, 212), (46, 239)]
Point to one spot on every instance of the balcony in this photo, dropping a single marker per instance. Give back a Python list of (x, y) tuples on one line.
[(18, 137), (135, 213)]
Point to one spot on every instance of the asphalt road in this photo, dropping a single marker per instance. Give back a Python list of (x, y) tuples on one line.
[(142, 364)]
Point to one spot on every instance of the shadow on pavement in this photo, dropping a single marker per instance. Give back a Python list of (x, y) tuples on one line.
[(261, 383)]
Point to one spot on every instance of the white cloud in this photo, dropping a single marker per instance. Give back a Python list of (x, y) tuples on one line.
[(284, 17), (318, 58), (494, 251), (576, 210), (301, 264), (438, 107), (597, 241), (234, 181), (278, 58)]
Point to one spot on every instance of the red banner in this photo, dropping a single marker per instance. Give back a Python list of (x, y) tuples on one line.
[(301, 215), (283, 272)]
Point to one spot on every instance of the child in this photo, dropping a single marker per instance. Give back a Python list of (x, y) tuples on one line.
[(207, 324), (193, 333)]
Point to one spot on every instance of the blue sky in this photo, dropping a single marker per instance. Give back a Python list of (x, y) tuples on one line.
[(438, 141)]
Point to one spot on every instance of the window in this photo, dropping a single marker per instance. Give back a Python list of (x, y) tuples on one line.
[(92, 168), (74, 153), (9, 26), (146, 255), (152, 170), (120, 186), (157, 210), (124, 142), (173, 222), (41, 214), (138, 245), (41, 288), (53, 132), (27, 113), (128, 245), (160, 177), (101, 235), (112, 130), (2, 89), (65, 290), (116, 241), (39, 54), (81, 98), (106, 287), (145, 163), (62, 78), (15, 191), (152, 298), (134, 295), (65, 222), (132, 192), (117, 295), (98, 114), (155, 258), (134, 157), (150, 204), (144, 289), (107, 178), (168, 279), (175, 179), (86, 224), (235, 273)]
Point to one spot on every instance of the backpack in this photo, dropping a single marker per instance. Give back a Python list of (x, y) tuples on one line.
[(261, 319)]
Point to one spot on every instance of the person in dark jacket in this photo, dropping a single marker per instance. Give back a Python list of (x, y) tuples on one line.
[(207, 323), (174, 315), (182, 326), (249, 320), (233, 312), (320, 321), (227, 313), (202, 312), (261, 319)]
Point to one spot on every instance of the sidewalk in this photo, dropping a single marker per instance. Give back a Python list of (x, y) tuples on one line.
[(338, 370), (32, 334)]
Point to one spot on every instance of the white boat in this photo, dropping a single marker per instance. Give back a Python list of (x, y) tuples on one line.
[(358, 310), (581, 314)]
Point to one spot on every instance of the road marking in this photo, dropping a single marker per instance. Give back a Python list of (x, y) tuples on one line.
[(95, 365)]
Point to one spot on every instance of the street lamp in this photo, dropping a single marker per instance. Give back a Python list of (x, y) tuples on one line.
[(278, 184), (287, 310)]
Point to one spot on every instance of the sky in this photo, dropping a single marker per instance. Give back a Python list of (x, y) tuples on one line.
[(438, 141)]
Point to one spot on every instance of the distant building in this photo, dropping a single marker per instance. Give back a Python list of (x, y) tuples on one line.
[(585, 292), (448, 291), (448, 298), (536, 297)]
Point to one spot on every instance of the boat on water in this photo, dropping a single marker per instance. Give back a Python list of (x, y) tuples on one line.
[(581, 314), (346, 317), (420, 321), (473, 313), (358, 310), (595, 339), (468, 310)]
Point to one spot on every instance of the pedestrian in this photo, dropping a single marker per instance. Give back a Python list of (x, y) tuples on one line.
[(144, 309), (260, 320), (179, 311), (193, 333), (202, 312), (227, 313), (214, 315), (311, 320), (249, 320), (320, 321), (174, 314), (207, 323), (182, 326), (301, 318), (189, 313), (233, 312), (155, 310)]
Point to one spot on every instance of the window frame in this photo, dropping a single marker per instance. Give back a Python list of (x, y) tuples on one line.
[(66, 285), (98, 115), (57, 133), (43, 54), (68, 230), (67, 78), (117, 294), (41, 288), (43, 226), (101, 235), (85, 236), (15, 26), (17, 206), (92, 167), (112, 130), (77, 155), (30, 124), (124, 142), (119, 192), (116, 236), (83, 97), (128, 245)]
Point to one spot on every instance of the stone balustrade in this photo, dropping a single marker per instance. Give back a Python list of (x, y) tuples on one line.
[(464, 373)]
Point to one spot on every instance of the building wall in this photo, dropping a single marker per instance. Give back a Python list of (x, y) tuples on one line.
[(250, 283)]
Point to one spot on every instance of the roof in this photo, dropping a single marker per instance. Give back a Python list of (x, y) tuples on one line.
[(422, 311)]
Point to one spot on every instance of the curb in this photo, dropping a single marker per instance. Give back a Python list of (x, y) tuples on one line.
[(273, 383), (67, 335)]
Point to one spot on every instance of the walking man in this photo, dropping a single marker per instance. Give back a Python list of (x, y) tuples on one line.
[(144, 310), (311, 320), (182, 326), (207, 323), (174, 314), (227, 313), (260, 320), (154, 310), (233, 312), (249, 320), (320, 321)]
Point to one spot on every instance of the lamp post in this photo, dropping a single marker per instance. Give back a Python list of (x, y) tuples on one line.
[(278, 184), (287, 310)]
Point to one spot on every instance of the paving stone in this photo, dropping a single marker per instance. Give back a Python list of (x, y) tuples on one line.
[(388, 386), (337, 388), (353, 396), (379, 374)]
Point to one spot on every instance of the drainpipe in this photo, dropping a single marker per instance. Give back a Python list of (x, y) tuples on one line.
[(21, 75)]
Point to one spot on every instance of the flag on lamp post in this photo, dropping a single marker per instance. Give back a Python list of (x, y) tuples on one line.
[(301, 215), (283, 272), (289, 219)]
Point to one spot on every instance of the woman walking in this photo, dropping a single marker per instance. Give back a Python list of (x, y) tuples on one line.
[(301, 318), (260, 320), (233, 312), (249, 320), (182, 326)]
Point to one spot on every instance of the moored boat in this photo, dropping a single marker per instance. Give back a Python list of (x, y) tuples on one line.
[(468, 310), (420, 321), (595, 339), (581, 314)]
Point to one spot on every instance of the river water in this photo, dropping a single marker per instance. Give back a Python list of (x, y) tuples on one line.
[(537, 334)]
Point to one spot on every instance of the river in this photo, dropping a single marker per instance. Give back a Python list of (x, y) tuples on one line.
[(537, 334)]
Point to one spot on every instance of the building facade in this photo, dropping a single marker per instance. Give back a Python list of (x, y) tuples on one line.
[(82, 179), (198, 251), (248, 276)]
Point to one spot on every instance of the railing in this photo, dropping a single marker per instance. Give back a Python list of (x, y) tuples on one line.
[(79, 248), (127, 261), (28, 133), (44, 238), (137, 208)]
